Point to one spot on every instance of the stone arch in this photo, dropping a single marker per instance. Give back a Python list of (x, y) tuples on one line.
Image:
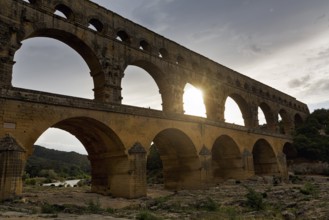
[(269, 116), (181, 165), (163, 53), (123, 36), (105, 152), (226, 158), (298, 120), (80, 47), (67, 11), (285, 125), (265, 161), (97, 24), (144, 45), (155, 72), (193, 100), (290, 152), (243, 106)]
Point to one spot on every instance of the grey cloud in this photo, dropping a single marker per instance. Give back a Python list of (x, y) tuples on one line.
[(301, 82)]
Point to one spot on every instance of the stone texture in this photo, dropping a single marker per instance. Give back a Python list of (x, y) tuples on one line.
[(108, 129)]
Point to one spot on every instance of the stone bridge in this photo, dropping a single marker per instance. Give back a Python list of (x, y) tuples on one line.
[(196, 152)]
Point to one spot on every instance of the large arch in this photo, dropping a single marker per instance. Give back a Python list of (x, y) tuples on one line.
[(48, 65), (105, 150), (243, 107), (285, 125), (226, 159), (79, 45), (181, 164), (269, 116), (290, 152), (139, 87), (154, 71), (265, 161), (193, 101), (298, 120)]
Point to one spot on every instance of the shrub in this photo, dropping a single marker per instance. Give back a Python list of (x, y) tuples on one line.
[(94, 207), (309, 189), (254, 199), (146, 215), (208, 204)]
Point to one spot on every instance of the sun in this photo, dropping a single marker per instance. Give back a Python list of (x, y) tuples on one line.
[(193, 101)]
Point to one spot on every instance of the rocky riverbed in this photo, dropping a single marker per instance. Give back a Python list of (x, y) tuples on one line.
[(304, 197)]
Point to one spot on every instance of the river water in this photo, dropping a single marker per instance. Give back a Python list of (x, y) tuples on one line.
[(65, 183)]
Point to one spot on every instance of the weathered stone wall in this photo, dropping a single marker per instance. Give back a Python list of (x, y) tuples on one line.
[(192, 149)]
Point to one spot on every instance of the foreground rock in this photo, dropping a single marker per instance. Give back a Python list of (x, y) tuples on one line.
[(261, 198)]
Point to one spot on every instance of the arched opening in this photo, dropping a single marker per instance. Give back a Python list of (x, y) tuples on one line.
[(265, 161), (232, 113), (284, 122), (180, 60), (261, 119), (96, 25), (291, 153), (154, 166), (193, 101), (63, 11), (140, 89), (265, 117), (163, 53), (144, 45), (49, 65), (57, 139), (179, 158), (123, 37), (298, 120), (226, 159), (99, 140), (58, 159)]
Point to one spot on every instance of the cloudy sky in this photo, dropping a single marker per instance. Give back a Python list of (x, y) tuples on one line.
[(282, 43)]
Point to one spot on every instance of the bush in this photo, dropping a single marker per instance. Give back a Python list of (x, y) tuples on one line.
[(94, 207), (30, 181), (255, 200), (208, 204), (309, 189), (146, 215)]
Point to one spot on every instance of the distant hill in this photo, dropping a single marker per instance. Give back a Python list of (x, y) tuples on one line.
[(64, 164)]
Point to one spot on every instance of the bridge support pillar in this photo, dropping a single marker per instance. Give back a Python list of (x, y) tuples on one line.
[(119, 175), (181, 173), (172, 98), (137, 173), (206, 172), (282, 161), (248, 164), (12, 163)]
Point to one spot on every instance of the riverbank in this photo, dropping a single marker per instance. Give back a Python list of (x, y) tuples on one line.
[(307, 197)]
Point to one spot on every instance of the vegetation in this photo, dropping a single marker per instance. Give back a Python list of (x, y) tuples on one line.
[(254, 199), (54, 165), (312, 137)]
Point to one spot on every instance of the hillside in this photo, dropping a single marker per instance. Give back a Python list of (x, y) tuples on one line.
[(46, 162)]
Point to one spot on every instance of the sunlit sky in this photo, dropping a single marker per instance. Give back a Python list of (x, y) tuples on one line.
[(282, 43)]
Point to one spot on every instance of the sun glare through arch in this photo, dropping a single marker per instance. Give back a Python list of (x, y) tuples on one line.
[(193, 101)]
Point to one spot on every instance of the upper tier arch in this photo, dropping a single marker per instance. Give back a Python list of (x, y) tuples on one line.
[(170, 64)]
